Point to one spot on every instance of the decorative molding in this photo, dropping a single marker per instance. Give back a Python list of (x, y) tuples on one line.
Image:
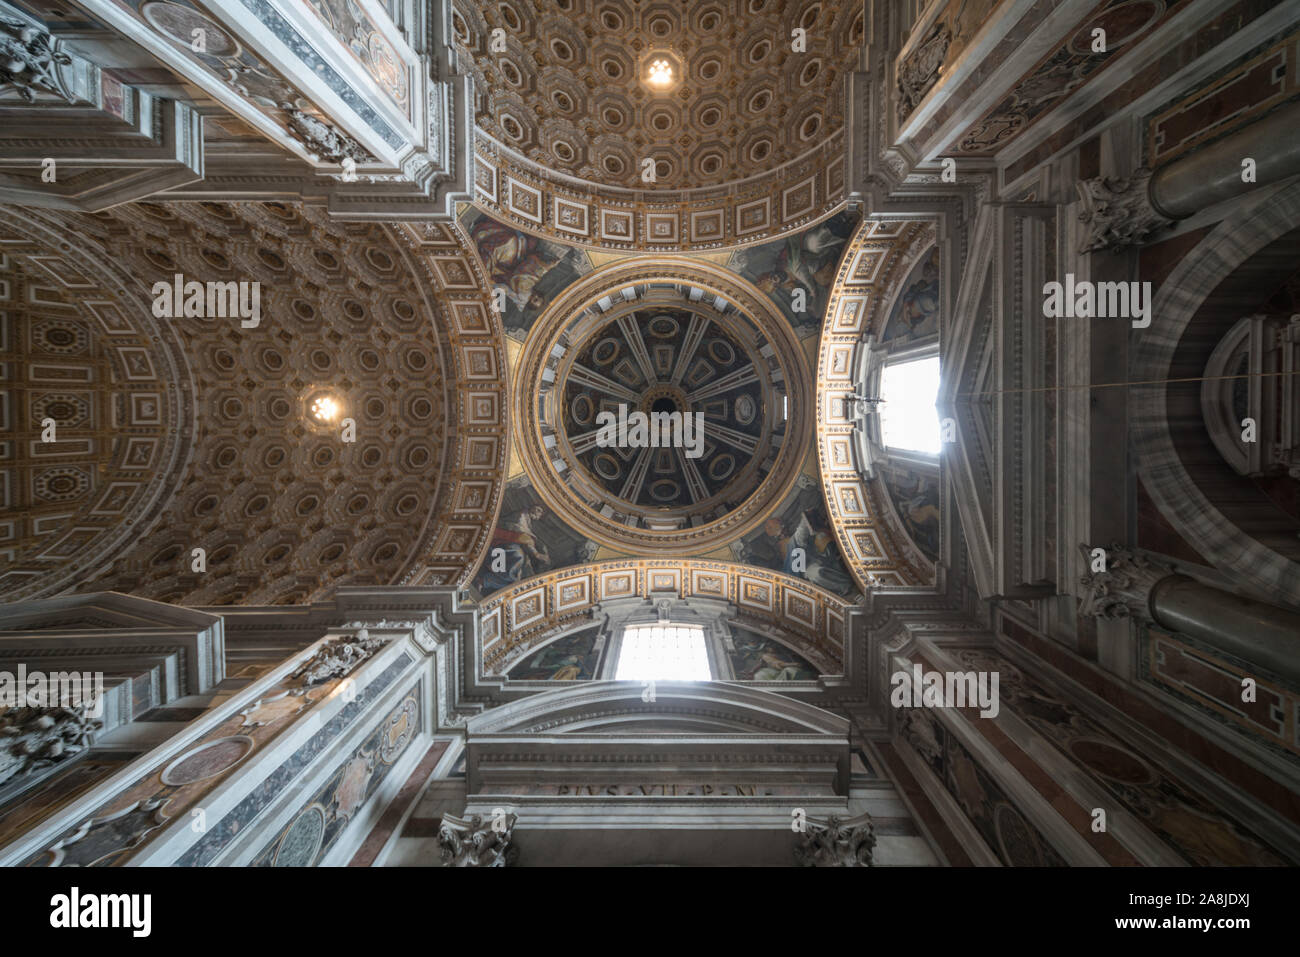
[(474, 473), (875, 263), (533, 199), (518, 619)]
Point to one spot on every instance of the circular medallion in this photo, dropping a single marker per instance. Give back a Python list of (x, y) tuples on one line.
[(302, 839), (207, 760)]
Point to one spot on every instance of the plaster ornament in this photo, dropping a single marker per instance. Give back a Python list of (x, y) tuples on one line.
[(32, 739)]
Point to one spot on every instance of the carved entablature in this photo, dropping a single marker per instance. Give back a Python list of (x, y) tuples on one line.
[(368, 108)]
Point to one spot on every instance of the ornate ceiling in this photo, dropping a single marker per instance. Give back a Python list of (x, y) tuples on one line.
[(744, 141), (98, 403), (662, 335), (565, 84), (674, 360), (196, 433)]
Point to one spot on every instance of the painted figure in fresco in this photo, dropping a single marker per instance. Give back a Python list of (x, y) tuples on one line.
[(759, 660), (525, 554), (515, 261), (918, 506), (566, 668), (768, 548), (569, 659), (919, 307), (812, 533), (806, 261)]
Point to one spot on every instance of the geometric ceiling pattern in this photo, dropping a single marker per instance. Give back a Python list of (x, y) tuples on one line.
[(564, 84), (661, 127), (283, 506), (96, 407), (658, 335), (670, 360)]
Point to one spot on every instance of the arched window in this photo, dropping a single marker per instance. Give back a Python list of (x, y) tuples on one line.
[(663, 652), (908, 417)]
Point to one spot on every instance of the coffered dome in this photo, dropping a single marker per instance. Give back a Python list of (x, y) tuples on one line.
[(661, 404), (705, 93)]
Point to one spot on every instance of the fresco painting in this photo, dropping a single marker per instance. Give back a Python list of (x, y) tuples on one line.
[(571, 658), (807, 260), (800, 523), (915, 314), (759, 658), (531, 541), (528, 270), (916, 499)]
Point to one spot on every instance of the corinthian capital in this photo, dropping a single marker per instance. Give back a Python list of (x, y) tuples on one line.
[(1119, 582), (836, 843), (1117, 211), (469, 842), (30, 60)]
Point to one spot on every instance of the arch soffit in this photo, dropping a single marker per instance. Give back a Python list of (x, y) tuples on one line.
[(876, 260), (1231, 243)]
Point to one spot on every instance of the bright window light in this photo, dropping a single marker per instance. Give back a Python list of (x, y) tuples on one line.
[(663, 653), (908, 417)]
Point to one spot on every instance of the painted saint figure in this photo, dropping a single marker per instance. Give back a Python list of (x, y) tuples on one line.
[(525, 555)]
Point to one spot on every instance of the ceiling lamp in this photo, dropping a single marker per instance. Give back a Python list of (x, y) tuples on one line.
[(324, 409), (661, 73)]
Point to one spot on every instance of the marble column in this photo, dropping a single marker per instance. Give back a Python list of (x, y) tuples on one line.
[(1126, 211), (1135, 586)]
